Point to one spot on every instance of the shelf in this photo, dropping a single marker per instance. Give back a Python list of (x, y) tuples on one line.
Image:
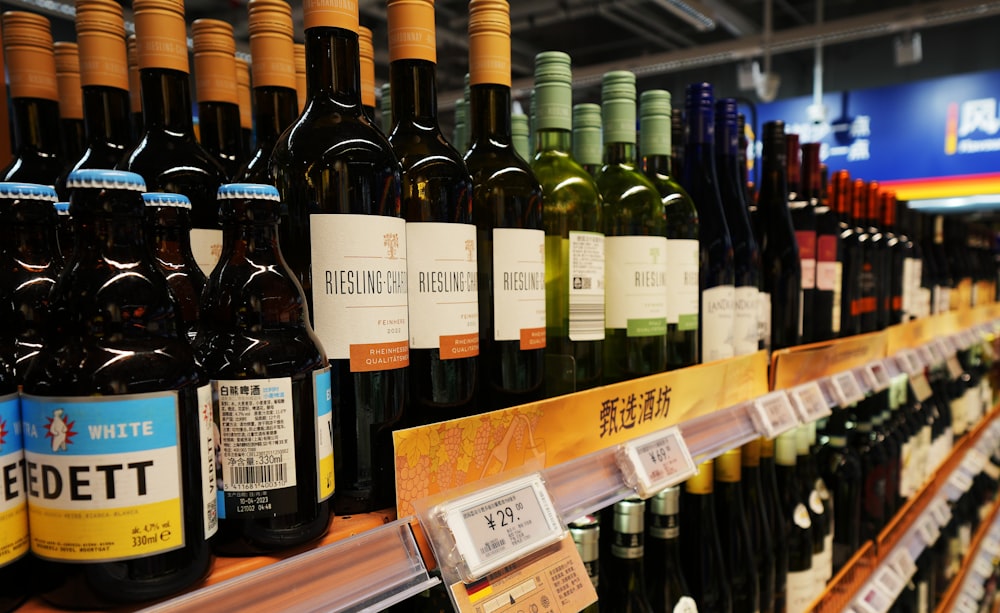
[(966, 578)]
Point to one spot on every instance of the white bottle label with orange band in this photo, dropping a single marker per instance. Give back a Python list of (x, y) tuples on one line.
[(360, 289), (519, 286)]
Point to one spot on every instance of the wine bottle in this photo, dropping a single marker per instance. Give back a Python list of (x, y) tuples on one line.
[(461, 135), (134, 89), (626, 582), (64, 229), (507, 211), (168, 232), (588, 138), (734, 535), (707, 574), (135, 366), (217, 92), (819, 512), (245, 101), (758, 523), (840, 468), (763, 301), (827, 297), (746, 255), (804, 222), (716, 313), (682, 230), (913, 261), (894, 259), (440, 237), (574, 244), (74, 140), (666, 586), (842, 195), (880, 254), (586, 533), (776, 522), (867, 275), (800, 586), (270, 25), (340, 180), (32, 264), (635, 244), (385, 109), (885, 429), (677, 140), (781, 266), (874, 464), (520, 136), (301, 89), (14, 569), (263, 358), (104, 75), (168, 156), (366, 49), (34, 100)]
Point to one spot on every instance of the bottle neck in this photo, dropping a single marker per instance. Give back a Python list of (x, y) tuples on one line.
[(489, 114), (657, 164), (619, 154), (275, 108), (119, 232), (333, 68), (170, 236), (242, 239), (35, 243), (554, 140), (36, 127), (166, 102), (413, 88), (106, 117)]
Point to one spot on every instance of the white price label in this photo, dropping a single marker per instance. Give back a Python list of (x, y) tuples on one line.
[(952, 344), (929, 530), (874, 599), (925, 355), (961, 481), (975, 590), (891, 582), (847, 388), (983, 567), (773, 414), (991, 546), (974, 462), (864, 383), (496, 526), (810, 402), (878, 376), (656, 461), (903, 562), (910, 363), (966, 604), (940, 511), (934, 348), (892, 367), (920, 386)]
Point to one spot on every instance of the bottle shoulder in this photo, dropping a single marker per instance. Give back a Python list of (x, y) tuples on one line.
[(499, 166), (233, 353), (163, 158), (560, 175), (324, 138)]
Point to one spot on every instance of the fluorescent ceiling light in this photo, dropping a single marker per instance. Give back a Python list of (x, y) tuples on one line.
[(685, 11)]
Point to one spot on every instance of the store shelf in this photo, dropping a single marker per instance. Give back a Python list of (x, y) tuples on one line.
[(967, 578)]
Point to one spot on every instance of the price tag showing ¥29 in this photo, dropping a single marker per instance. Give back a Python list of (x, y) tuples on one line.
[(810, 402), (848, 390), (656, 461), (773, 414), (496, 526)]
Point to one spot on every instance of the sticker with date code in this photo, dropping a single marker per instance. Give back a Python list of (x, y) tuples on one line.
[(656, 461)]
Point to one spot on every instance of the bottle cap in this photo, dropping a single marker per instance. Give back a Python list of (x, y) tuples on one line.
[(784, 449), (248, 191), (300, 74), (68, 78), (618, 105), (667, 502), (100, 33), (588, 142), (161, 34), (728, 466), (166, 199), (271, 43), (629, 516), (751, 454), (766, 447), (243, 93), (28, 52), (341, 14), (703, 481), (411, 30), (489, 42), (134, 82), (586, 533), (552, 98), (27, 191), (62, 209), (519, 125), (214, 61), (105, 179), (366, 52), (654, 122)]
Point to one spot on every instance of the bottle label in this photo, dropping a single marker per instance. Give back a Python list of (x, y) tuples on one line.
[(717, 322), (519, 287), (323, 393), (208, 445), (13, 502), (686, 604), (443, 292), (764, 318), (206, 247), (807, 256), (682, 283), (637, 284), (586, 286), (800, 515), (746, 328), (360, 289), (838, 293), (799, 591), (826, 263), (104, 476)]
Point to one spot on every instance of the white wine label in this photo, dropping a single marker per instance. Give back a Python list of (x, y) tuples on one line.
[(586, 286), (746, 333), (206, 247), (443, 295), (104, 476), (807, 257), (815, 502), (208, 444), (800, 516), (718, 315), (519, 287), (636, 281), (682, 283), (826, 263), (799, 589), (359, 289), (323, 393), (257, 447), (772, 414), (764, 319), (656, 461), (838, 297), (14, 501), (498, 525), (686, 604)]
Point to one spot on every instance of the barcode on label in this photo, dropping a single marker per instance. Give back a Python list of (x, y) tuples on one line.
[(586, 314), (491, 546), (271, 475)]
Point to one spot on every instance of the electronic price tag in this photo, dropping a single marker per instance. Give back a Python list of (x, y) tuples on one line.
[(874, 599), (952, 344), (965, 604), (499, 525), (961, 481), (810, 402), (983, 567), (772, 414), (955, 369), (974, 462), (925, 356), (892, 367), (909, 361), (847, 389), (890, 582), (862, 381), (928, 529), (656, 461), (974, 589), (940, 511), (878, 376), (903, 563), (991, 546), (937, 356)]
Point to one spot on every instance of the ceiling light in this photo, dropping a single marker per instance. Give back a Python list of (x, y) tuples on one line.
[(685, 11)]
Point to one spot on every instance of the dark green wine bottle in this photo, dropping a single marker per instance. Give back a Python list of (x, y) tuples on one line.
[(626, 589), (707, 573), (665, 583), (734, 535)]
